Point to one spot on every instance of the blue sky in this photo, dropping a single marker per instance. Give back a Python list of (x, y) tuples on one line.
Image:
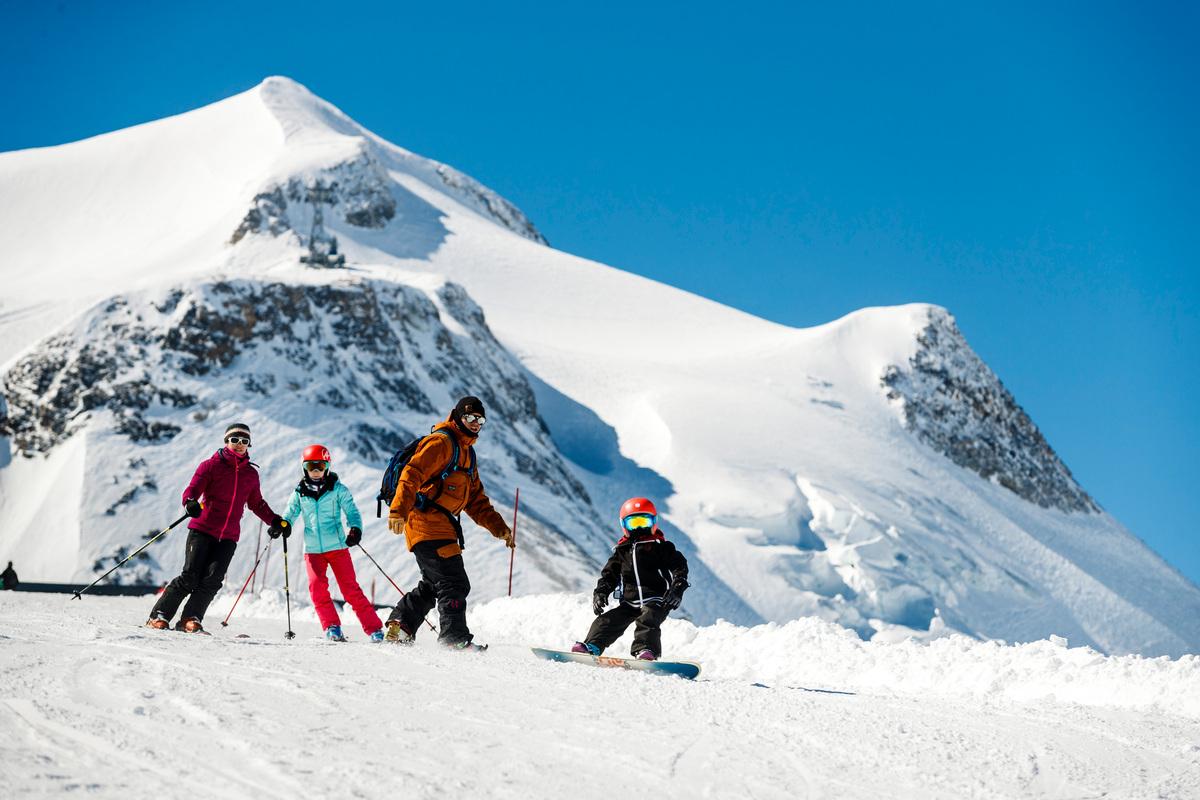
[(1032, 167)]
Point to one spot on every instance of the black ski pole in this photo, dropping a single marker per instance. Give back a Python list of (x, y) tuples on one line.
[(225, 622), (392, 582), (79, 594), (287, 591)]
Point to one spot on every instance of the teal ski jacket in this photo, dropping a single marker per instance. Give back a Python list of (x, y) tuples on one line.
[(322, 511)]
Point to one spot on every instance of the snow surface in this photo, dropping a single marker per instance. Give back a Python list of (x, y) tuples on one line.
[(94, 704), (773, 453)]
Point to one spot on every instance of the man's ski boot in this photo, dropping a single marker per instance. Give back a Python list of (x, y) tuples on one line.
[(585, 647), (334, 633), (468, 646), (158, 622), (646, 655), (376, 636), (191, 625), (396, 633)]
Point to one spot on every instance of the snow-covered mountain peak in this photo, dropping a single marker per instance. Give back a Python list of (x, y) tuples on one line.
[(269, 259)]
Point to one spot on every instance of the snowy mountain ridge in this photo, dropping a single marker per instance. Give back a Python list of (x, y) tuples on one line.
[(871, 472)]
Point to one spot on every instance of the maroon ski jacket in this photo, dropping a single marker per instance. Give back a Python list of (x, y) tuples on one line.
[(225, 484)]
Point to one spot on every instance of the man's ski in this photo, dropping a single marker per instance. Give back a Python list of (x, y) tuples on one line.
[(684, 669)]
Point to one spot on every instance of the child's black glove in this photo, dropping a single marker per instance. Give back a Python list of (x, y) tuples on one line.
[(674, 595), (353, 537), (599, 601), (279, 527)]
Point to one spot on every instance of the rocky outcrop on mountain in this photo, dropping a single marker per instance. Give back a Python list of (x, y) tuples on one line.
[(377, 355), (955, 404), (357, 191), (500, 209)]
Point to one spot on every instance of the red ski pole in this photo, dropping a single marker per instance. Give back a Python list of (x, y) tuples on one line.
[(225, 622), (513, 550)]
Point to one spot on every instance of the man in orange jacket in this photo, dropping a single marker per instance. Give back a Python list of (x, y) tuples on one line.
[(433, 489)]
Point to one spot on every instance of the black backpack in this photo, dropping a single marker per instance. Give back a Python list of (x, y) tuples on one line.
[(391, 476)]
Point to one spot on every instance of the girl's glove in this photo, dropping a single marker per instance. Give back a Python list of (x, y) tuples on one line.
[(280, 527), (599, 601), (353, 537)]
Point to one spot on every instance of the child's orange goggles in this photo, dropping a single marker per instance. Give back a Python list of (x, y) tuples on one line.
[(638, 522)]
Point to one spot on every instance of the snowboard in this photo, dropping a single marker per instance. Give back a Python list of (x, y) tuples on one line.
[(684, 669)]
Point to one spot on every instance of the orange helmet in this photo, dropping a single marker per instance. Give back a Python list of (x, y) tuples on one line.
[(316, 452), (638, 514)]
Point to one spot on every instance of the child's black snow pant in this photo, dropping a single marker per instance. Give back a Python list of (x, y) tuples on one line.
[(203, 573), (609, 626), (444, 582)]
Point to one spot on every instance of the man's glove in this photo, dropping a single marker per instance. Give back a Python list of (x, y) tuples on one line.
[(599, 601), (674, 595), (280, 527), (353, 537), (396, 524), (508, 537), (193, 508)]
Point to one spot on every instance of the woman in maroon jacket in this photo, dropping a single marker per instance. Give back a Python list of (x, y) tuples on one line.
[(216, 498)]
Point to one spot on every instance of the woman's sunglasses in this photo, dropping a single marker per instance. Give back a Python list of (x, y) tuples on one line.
[(238, 440)]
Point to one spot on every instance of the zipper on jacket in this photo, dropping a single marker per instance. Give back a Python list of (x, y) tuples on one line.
[(221, 533), (636, 577)]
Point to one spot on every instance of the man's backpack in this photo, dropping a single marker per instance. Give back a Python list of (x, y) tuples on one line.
[(391, 476)]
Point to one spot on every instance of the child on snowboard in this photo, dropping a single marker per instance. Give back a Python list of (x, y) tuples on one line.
[(650, 576), (322, 500)]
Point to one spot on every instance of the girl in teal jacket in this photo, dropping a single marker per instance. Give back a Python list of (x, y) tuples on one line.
[(322, 500)]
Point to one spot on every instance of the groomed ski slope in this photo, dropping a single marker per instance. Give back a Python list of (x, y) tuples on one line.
[(95, 704)]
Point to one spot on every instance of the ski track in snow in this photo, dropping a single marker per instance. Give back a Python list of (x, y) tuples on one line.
[(94, 704)]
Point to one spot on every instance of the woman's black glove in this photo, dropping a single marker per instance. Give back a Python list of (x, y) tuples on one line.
[(193, 508), (353, 537), (279, 527)]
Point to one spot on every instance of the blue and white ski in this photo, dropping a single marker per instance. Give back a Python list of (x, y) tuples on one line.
[(684, 669)]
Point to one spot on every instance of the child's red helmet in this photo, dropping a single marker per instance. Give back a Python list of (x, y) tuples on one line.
[(638, 514), (316, 452)]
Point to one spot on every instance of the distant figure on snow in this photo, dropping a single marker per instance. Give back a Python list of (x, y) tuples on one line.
[(8, 578), (322, 499), (438, 483), (650, 577), (216, 498)]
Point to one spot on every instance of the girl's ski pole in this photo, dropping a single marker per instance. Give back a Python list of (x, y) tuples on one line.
[(392, 582), (287, 592)]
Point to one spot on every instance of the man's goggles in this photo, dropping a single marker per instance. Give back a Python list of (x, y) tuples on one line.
[(238, 440), (317, 465), (471, 419), (638, 522)]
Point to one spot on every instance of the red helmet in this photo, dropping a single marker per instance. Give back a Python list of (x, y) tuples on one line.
[(638, 507), (316, 452)]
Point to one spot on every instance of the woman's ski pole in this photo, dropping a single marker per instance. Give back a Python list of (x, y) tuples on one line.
[(287, 592), (392, 582), (79, 594), (225, 622), (513, 551)]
